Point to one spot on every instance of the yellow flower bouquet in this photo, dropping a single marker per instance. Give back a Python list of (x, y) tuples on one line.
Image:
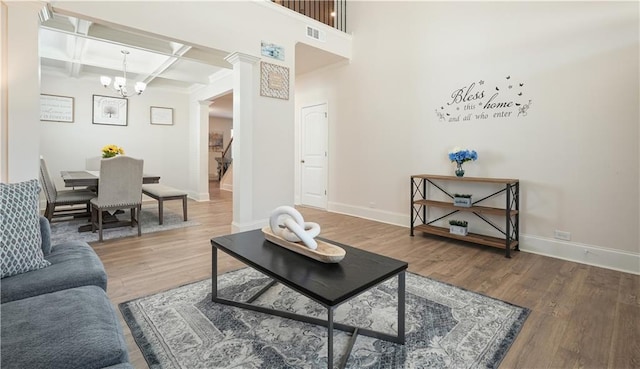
[(110, 151)]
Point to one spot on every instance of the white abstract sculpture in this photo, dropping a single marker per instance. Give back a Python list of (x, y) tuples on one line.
[(293, 227)]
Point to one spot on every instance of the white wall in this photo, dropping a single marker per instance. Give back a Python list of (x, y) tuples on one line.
[(164, 148), (576, 152), (21, 66), (4, 137)]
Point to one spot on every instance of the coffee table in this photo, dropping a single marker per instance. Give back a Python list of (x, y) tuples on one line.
[(327, 284)]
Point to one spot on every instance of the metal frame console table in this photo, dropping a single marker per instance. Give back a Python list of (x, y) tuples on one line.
[(511, 213)]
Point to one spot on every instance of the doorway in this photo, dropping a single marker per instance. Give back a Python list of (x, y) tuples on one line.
[(219, 143), (314, 128)]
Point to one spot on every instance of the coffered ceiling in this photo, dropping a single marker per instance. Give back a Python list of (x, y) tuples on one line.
[(81, 49)]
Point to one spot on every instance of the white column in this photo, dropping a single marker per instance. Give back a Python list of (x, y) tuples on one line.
[(202, 148), (20, 67), (4, 174), (244, 96)]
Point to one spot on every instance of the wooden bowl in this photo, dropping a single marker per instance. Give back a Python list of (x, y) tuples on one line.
[(326, 252)]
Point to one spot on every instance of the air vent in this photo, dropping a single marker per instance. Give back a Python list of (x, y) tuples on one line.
[(316, 34)]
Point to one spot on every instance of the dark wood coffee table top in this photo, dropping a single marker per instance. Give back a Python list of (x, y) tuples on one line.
[(329, 284)]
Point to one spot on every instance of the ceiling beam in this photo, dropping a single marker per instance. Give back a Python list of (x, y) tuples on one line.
[(221, 64), (76, 46), (167, 64)]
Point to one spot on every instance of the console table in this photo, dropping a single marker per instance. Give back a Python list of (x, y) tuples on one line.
[(509, 188)]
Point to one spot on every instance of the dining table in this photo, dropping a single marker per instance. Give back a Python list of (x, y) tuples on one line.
[(91, 179)]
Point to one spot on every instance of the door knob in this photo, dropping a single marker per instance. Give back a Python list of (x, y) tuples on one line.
[(302, 161)]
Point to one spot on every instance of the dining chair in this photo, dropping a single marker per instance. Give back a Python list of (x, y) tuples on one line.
[(120, 188), (66, 198)]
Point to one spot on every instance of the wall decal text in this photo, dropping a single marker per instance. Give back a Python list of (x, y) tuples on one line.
[(483, 100)]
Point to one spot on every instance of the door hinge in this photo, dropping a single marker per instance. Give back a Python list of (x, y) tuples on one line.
[(325, 192), (325, 114)]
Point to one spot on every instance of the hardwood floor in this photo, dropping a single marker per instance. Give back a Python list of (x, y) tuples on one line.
[(581, 316)]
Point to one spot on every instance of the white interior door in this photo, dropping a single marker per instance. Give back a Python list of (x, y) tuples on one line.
[(313, 155)]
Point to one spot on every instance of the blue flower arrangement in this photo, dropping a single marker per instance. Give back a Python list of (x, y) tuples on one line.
[(459, 156), (462, 155)]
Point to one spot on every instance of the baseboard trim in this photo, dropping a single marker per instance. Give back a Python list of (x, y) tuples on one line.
[(198, 196), (227, 187), (377, 215), (602, 257), (582, 253), (242, 227)]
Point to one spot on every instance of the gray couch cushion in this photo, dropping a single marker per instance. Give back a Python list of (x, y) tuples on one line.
[(75, 328), (73, 264), (20, 239)]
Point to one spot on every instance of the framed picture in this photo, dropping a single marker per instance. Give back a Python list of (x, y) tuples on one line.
[(110, 110), (272, 50), (274, 81), (55, 108), (216, 140), (163, 116)]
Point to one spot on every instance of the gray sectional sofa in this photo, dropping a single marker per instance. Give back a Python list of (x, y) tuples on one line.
[(60, 316)]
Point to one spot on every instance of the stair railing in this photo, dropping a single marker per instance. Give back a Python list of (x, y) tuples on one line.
[(225, 160), (332, 12)]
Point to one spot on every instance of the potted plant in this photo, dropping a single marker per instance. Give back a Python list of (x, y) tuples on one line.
[(462, 199), (458, 227)]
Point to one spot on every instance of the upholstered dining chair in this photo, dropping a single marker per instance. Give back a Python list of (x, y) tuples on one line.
[(65, 199), (120, 188)]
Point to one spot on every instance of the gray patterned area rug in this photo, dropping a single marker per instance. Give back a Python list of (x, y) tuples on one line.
[(63, 231), (446, 327)]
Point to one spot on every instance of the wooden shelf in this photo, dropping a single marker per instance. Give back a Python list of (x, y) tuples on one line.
[(467, 179), (471, 237), (472, 209)]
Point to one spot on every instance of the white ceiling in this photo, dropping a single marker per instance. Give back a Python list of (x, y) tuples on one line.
[(82, 49), (76, 48)]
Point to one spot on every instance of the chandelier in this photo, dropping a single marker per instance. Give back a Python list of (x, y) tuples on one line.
[(120, 83)]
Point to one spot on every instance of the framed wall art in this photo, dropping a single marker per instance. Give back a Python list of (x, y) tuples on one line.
[(216, 140), (55, 108), (272, 50), (162, 116), (110, 110), (274, 81)]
